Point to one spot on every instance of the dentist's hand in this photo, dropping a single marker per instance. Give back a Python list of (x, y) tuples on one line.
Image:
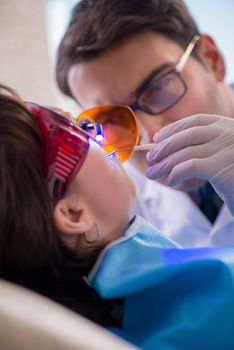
[(196, 147)]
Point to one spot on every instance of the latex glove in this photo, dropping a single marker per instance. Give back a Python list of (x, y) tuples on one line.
[(196, 147)]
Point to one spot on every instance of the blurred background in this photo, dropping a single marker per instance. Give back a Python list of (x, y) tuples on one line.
[(31, 30)]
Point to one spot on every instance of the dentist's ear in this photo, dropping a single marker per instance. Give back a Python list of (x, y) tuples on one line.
[(212, 56), (71, 217)]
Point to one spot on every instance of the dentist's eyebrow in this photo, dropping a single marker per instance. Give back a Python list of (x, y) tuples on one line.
[(153, 74)]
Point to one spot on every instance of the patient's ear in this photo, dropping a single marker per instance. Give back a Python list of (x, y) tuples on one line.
[(71, 217)]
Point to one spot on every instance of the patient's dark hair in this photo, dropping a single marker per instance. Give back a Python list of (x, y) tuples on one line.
[(97, 25), (31, 252)]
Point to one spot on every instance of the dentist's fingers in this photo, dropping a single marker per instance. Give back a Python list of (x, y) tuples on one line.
[(207, 168), (190, 169), (183, 139), (185, 123), (165, 166)]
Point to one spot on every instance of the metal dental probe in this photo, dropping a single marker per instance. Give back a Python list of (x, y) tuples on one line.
[(145, 147)]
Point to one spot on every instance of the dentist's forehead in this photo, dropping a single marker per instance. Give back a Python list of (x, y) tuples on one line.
[(114, 76)]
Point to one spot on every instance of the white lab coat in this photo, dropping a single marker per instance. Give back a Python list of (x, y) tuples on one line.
[(176, 215)]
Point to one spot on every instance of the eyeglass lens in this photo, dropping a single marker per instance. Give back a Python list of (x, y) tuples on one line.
[(162, 93)]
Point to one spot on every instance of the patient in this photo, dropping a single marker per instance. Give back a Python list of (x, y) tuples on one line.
[(67, 232)]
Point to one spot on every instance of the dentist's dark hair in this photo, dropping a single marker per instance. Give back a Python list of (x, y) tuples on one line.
[(97, 25)]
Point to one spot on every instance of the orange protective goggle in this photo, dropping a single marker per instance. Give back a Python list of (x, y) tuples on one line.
[(119, 126)]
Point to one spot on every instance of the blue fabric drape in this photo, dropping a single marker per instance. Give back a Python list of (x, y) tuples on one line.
[(175, 299)]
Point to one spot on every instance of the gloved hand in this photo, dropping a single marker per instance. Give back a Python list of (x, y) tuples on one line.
[(197, 147)]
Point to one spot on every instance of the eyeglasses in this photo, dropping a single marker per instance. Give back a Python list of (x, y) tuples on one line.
[(120, 128), (165, 91), (66, 147)]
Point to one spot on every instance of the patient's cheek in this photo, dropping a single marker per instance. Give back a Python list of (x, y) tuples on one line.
[(107, 189)]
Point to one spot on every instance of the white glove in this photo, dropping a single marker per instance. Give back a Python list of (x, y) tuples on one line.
[(196, 147)]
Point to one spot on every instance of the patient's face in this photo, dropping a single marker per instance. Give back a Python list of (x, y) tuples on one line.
[(107, 192)]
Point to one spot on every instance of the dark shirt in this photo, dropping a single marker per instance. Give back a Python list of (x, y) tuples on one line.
[(208, 201)]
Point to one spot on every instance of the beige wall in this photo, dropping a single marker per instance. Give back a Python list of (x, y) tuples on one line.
[(24, 60)]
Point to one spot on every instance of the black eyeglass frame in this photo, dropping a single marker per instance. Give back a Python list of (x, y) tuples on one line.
[(177, 72), (138, 106)]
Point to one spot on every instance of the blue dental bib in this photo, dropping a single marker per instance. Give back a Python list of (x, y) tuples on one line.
[(173, 298)]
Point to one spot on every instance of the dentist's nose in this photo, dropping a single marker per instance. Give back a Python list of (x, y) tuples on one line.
[(149, 125)]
